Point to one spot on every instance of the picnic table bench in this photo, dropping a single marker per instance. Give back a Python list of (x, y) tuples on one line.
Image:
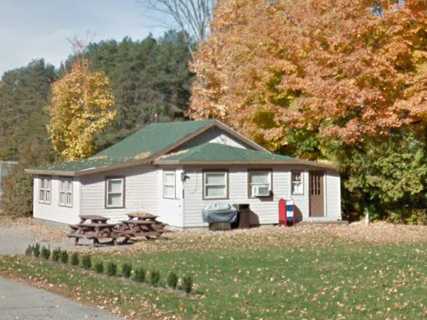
[(141, 225), (93, 218), (93, 228), (141, 216)]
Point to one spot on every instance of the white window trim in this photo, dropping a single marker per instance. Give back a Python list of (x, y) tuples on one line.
[(108, 193), (205, 185), (302, 183), (250, 184), (46, 190), (166, 173), (68, 193)]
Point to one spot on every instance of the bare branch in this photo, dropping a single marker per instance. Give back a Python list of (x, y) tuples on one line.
[(191, 16)]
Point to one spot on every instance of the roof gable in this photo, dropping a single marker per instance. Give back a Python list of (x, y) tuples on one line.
[(151, 140), (217, 152)]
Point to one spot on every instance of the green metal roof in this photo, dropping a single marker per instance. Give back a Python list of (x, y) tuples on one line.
[(158, 137), (216, 152), (151, 139), (80, 165), (138, 146)]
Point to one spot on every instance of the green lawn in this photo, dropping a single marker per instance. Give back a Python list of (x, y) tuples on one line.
[(246, 277)]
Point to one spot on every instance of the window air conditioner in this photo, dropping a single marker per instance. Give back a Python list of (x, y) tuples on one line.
[(261, 191)]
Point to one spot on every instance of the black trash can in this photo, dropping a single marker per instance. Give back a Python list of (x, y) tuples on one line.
[(244, 216)]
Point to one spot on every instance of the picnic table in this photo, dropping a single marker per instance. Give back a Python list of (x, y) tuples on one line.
[(93, 218), (141, 225), (95, 228)]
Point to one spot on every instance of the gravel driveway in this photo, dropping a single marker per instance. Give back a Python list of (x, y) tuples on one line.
[(18, 301), (15, 237)]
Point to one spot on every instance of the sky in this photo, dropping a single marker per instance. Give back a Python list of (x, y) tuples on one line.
[(31, 29)]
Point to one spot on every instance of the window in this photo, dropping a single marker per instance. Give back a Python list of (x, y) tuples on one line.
[(115, 193), (259, 183), (215, 185), (66, 192), (45, 190), (169, 184), (297, 183)]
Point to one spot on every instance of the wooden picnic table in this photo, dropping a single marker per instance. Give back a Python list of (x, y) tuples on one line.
[(141, 216), (93, 219), (141, 225), (93, 228), (96, 228)]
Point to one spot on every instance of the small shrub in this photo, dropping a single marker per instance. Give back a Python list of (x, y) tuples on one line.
[(139, 275), (187, 284), (126, 270), (111, 269), (154, 278), (172, 280), (99, 267), (86, 262), (408, 216), (417, 217), (45, 253), (36, 250), (56, 254), (64, 257), (75, 260), (29, 251)]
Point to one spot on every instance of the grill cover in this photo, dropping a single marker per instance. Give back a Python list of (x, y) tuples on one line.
[(219, 213)]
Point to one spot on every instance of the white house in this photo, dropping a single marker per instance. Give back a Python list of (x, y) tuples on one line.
[(174, 170)]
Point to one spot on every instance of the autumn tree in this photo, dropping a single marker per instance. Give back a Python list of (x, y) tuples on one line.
[(330, 67), (315, 77), (150, 80), (82, 105)]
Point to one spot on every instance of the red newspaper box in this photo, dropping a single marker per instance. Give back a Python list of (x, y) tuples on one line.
[(282, 212)]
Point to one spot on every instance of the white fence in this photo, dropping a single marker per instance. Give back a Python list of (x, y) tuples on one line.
[(5, 167)]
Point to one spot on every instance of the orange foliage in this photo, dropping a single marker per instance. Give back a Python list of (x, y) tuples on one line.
[(328, 66)]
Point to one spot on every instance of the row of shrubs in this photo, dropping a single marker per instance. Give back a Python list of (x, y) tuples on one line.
[(138, 274)]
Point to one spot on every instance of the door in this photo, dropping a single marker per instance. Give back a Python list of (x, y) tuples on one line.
[(317, 194)]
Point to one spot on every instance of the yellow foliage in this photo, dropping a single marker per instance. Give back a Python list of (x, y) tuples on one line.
[(82, 105)]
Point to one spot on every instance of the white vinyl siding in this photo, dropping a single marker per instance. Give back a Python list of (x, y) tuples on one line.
[(45, 190), (54, 211), (115, 193), (66, 192), (258, 179), (215, 184), (266, 209), (215, 135), (169, 184), (143, 193)]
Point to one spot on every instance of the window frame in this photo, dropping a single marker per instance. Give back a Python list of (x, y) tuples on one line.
[(123, 193), (45, 190), (165, 173), (226, 180), (293, 172), (270, 173), (69, 193)]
